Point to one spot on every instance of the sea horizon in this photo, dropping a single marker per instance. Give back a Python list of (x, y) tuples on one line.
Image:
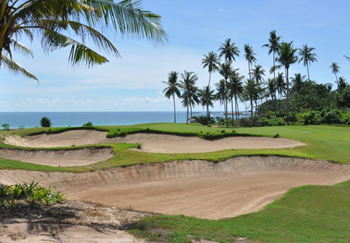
[(20, 119)]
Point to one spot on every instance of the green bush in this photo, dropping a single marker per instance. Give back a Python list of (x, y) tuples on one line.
[(45, 122), (88, 124), (6, 126)]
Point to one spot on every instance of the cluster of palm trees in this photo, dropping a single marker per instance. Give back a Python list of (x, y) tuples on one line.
[(234, 87)]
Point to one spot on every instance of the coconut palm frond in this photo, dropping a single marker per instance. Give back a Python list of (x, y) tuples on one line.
[(79, 53), (21, 48), (15, 67)]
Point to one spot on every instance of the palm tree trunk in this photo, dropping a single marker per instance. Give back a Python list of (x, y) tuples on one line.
[(274, 78), (226, 103), (287, 98), (251, 107), (236, 106), (275, 104), (308, 75), (187, 109), (232, 109), (174, 110)]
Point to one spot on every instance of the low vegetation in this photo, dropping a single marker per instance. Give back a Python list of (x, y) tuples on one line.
[(32, 195)]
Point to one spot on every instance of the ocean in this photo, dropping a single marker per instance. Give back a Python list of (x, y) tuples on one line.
[(65, 119)]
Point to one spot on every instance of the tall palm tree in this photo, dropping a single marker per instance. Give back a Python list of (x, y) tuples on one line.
[(335, 69), (188, 85), (229, 50), (281, 85), (257, 74), (221, 92), (250, 93), (172, 89), (236, 89), (287, 56), (298, 82), (212, 62), (274, 42), (53, 20), (271, 91), (249, 56), (226, 71), (207, 97), (307, 57)]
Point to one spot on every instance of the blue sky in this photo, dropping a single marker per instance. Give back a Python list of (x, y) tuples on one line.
[(133, 82)]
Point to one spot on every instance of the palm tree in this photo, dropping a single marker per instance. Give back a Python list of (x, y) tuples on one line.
[(236, 89), (226, 71), (281, 85), (221, 92), (212, 62), (53, 19), (249, 56), (172, 89), (271, 90), (307, 57), (188, 85), (250, 93), (287, 57), (257, 73), (274, 42), (229, 50), (335, 69), (206, 96), (298, 82)]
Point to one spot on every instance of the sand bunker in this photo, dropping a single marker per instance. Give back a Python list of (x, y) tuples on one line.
[(157, 143), (195, 188), (62, 157)]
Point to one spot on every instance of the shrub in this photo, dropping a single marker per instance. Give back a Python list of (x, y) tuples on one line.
[(45, 122), (333, 117), (223, 131), (6, 126), (277, 135), (88, 124), (124, 133), (139, 145)]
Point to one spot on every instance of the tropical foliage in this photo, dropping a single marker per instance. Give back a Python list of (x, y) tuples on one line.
[(52, 20)]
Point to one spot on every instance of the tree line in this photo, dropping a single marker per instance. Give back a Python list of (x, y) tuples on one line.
[(255, 88)]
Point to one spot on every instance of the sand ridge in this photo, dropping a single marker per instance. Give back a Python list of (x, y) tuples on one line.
[(60, 157), (195, 188), (156, 143)]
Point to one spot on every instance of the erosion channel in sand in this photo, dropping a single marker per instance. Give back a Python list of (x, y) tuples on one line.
[(195, 188), (157, 143), (59, 157)]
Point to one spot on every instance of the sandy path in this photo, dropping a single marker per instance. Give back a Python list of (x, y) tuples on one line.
[(157, 143), (62, 157), (196, 188)]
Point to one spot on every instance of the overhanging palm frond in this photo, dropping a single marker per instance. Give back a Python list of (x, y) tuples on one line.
[(15, 67), (79, 53), (21, 48), (129, 19)]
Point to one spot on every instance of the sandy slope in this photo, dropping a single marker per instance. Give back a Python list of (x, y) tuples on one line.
[(62, 157), (196, 188), (158, 143)]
